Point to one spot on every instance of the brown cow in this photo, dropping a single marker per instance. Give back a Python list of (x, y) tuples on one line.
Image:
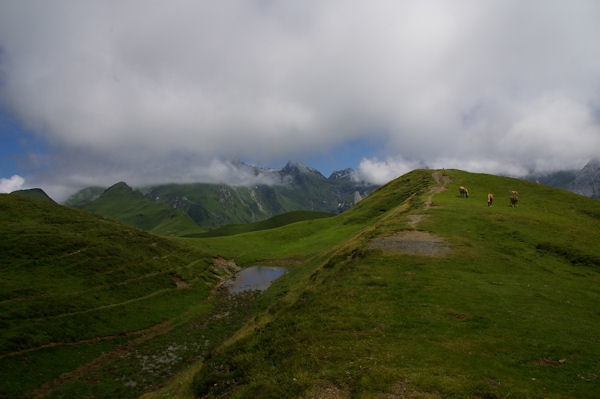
[(463, 192), (514, 198), (490, 199)]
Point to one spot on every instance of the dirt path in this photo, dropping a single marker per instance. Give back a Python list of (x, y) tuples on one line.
[(414, 241), (86, 341), (84, 369), (442, 180)]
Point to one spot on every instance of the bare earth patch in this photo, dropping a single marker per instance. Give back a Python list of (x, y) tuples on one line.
[(326, 391), (411, 242), (413, 220), (548, 362), (402, 390)]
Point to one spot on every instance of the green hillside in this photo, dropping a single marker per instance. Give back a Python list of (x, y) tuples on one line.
[(491, 302), (36, 193), (414, 292), (75, 285), (271, 223), (120, 202)]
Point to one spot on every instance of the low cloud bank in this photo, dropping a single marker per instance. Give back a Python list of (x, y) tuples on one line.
[(11, 184), (501, 86), (380, 172)]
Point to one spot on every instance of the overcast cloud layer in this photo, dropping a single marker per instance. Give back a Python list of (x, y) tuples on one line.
[(494, 86)]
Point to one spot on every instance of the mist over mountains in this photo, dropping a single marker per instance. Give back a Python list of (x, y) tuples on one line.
[(210, 205)]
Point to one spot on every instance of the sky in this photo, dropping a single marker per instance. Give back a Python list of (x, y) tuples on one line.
[(148, 91)]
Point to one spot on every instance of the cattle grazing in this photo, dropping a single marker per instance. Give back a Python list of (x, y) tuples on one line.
[(463, 192), (514, 198), (490, 199)]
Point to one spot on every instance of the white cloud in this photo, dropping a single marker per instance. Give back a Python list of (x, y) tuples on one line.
[(14, 183), (136, 84), (380, 172)]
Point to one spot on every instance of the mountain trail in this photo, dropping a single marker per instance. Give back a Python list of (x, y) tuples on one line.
[(415, 241), (442, 180)]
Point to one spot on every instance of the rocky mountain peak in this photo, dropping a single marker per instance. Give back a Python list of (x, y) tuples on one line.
[(346, 174), (296, 169), (587, 180)]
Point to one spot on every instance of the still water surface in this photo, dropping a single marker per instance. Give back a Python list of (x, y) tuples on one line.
[(255, 278)]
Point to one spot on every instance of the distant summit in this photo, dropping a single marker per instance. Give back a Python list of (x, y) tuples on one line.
[(346, 174), (36, 193), (118, 189)]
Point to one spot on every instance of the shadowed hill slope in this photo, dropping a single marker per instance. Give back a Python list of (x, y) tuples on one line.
[(74, 285)]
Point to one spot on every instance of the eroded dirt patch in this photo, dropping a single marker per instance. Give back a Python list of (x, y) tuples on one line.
[(411, 242), (326, 391), (413, 220)]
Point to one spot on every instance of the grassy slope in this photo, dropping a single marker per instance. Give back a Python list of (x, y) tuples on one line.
[(125, 205), (517, 294), (271, 223), (68, 276)]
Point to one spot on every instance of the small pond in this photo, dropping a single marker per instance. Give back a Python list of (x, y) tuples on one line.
[(255, 278)]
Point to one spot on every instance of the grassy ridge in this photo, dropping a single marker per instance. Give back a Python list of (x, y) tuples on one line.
[(271, 223), (36, 193), (125, 205), (510, 312), (68, 276)]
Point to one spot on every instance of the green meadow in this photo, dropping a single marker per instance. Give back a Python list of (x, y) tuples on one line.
[(92, 308)]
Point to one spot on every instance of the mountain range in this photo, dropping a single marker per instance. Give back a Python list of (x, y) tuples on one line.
[(291, 188), (192, 208)]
